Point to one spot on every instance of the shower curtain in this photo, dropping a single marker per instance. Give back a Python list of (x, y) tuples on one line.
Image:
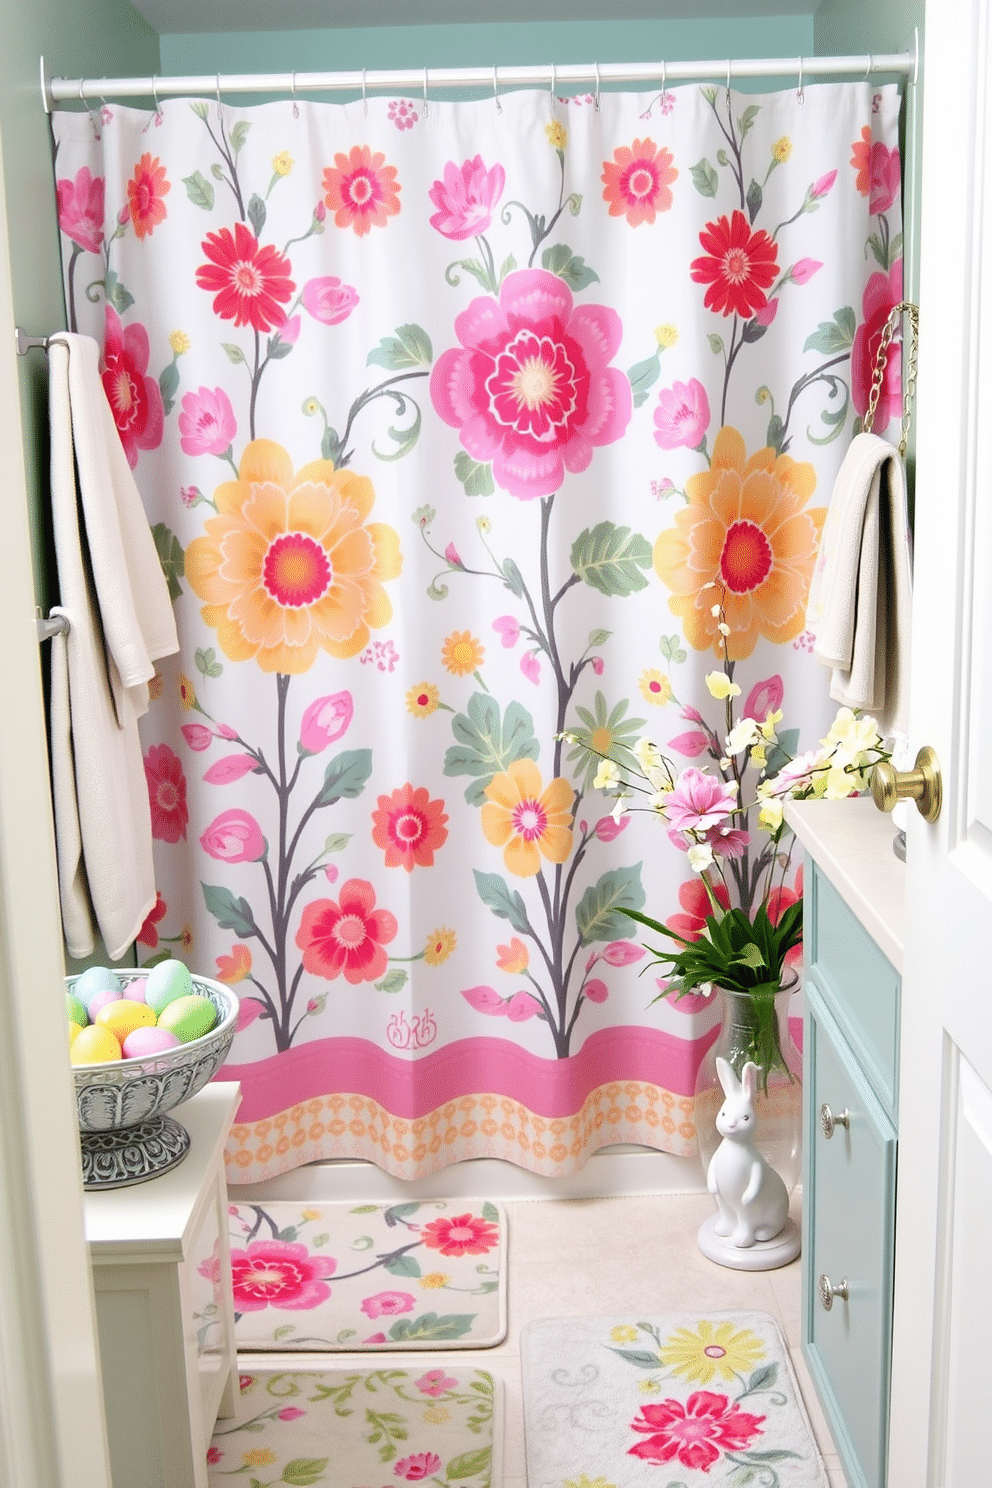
[(451, 420)]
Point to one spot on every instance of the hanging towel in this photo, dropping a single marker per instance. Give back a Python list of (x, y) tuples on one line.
[(860, 595), (116, 600)]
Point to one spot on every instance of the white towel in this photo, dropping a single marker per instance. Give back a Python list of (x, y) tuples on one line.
[(116, 599), (860, 598)]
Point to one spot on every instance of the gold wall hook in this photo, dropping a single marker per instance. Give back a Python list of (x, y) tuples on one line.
[(922, 784)]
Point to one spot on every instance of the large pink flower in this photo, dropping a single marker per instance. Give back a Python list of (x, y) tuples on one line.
[(274, 1273), (530, 388), (465, 1234), (409, 826), (882, 293), (348, 936), (134, 398), (699, 801), (682, 416), (328, 300), (387, 1304), (207, 425), (879, 171), (466, 198), (234, 837), (696, 1433), (417, 1467), (166, 793), (80, 204)]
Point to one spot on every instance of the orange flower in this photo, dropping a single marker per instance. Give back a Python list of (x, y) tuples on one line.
[(361, 190), (514, 957), (744, 530), (637, 183), (527, 821), (462, 654), (236, 966), (861, 160), (289, 566), (145, 191)]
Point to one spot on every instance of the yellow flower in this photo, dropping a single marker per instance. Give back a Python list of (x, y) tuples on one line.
[(666, 336), (310, 407), (584, 1482), (155, 686), (770, 815), (557, 134), (187, 693), (440, 944), (422, 699), (526, 819), (714, 1348), (759, 755), (310, 1214), (484, 525), (432, 1280), (782, 149), (259, 1457), (282, 163), (436, 1415), (180, 342), (462, 654), (768, 727), (655, 686), (186, 937), (623, 1333), (608, 773), (289, 566), (648, 1386), (719, 686)]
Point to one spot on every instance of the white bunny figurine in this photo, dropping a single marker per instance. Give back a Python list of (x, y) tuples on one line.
[(751, 1197)]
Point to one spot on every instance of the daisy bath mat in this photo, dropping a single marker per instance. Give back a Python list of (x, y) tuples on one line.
[(368, 1276), (679, 1401), (353, 1427)]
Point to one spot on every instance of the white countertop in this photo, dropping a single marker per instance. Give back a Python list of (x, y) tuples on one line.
[(851, 843)]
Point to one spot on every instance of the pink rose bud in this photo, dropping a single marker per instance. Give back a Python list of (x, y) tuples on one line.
[(325, 721)]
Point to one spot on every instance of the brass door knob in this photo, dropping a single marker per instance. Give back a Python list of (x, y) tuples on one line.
[(921, 784)]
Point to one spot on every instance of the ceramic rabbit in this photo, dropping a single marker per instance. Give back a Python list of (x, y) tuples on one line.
[(751, 1197)]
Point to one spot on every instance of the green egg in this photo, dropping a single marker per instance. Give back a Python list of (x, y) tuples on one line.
[(75, 1011), (188, 1017)]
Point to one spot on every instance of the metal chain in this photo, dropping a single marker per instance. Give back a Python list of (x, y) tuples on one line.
[(905, 307)]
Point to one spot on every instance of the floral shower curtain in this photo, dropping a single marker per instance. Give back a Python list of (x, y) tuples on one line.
[(453, 421)]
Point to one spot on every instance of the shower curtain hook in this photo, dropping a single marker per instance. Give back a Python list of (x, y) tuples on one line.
[(426, 104), (664, 77), (800, 95), (220, 114), (365, 101), (89, 111), (869, 68), (554, 79), (596, 66), (499, 106), (296, 107)]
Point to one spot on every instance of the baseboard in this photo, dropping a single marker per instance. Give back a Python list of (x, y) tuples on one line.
[(610, 1173)]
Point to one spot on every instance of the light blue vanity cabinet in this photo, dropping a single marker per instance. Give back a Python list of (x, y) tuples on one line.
[(852, 932)]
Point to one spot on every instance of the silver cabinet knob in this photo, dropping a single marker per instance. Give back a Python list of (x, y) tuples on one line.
[(828, 1120), (828, 1291)]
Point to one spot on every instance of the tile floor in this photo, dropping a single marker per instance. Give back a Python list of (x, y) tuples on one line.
[(573, 1256)]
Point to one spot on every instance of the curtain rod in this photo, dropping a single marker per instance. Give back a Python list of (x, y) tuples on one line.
[(61, 90)]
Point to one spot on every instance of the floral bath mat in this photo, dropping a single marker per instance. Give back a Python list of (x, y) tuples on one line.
[(368, 1276), (359, 1428), (679, 1401)]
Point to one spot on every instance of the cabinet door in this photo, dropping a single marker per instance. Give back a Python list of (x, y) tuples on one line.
[(849, 1200)]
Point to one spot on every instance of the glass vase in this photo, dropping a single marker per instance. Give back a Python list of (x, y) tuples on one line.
[(755, 1027)]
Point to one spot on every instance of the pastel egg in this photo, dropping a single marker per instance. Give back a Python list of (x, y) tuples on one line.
[(167, 981), (75, 1010), (189, 1017), (94, 1045), (121, 1017), (95, 979), (74, 1029), (100, 1000), (141, 1042), (135, 990)]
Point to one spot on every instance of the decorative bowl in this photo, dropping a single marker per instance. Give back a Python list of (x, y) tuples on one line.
[(125, 1135)]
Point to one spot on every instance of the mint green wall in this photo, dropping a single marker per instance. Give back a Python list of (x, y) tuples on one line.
[(78, 38)]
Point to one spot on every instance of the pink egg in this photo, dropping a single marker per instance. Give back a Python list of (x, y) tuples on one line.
[(135, 991), (143, 1041), (100, 999)]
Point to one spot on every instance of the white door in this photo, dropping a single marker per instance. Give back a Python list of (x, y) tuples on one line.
[(943, 1304)]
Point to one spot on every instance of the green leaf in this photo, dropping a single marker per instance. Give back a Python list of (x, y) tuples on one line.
[(671, 649), (640, 1357), (490, 1212), (559, 259), (770, 1454), (755, 196), (432, 1326), (345, 776), (473, 266), (233, 353), (506, 267), (487, 744), (256, 213), (833, 336), (575, 203), (302, 1471), (643, 375), (239, 134), (330, 445), (513, 576), (393, 981), (230, 913), (116, 294), (774, 433), (598, 638), (610, 558), (705, 178), (402, 1265), (716, 344), (404, 439), (469, 1464), (396, 1213), (200, 108), (410, 347), (199, 191), (747, 118), (875, 244), (763, 1378), (476, 478), (337, 842), (206, 662), (494, 892), (171, 557), (596, 916), (168, 385), (784, 750)]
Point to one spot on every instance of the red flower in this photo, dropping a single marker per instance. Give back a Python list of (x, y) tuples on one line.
[(148, 935), (274, 1273), (409, 826), (463, 1235), (695, 1433), (134, 398), (346, 936), (80, 205), (882, 293), (166, 793), (145, 191), (695, 901), (361, 190), (249, 283), (779, 901), (739, 267), (417, 1467)]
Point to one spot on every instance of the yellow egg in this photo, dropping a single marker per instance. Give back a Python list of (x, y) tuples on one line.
[(74, 1029), (94, 1045), (121, 1018)]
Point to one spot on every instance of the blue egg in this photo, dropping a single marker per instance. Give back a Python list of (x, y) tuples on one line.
[(95, 979), (167, 980)]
